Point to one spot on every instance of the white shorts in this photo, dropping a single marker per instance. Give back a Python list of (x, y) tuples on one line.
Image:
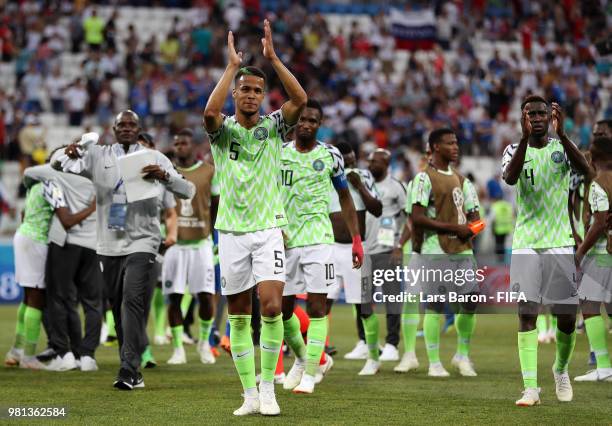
[(30, 261), (189, 267), (544, 276), (309, 269), (247, 259), (443, 274), (357, 283), (596, 283)]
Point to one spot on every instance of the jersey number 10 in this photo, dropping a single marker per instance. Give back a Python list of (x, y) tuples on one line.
[(287, 177)]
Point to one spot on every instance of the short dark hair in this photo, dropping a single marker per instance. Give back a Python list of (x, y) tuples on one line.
[(436, 136), (344, 148), (250, 70), (602, 145), (314, 104), (147, 138), (533, 98), (605, 122), (185, 132)]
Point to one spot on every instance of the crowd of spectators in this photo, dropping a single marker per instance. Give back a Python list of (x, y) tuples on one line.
[(169, 76)]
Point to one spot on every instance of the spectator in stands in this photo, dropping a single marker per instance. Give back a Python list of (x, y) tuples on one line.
[(56, 84), (32, 141), (76, 98), (32, 86), (93, 27)]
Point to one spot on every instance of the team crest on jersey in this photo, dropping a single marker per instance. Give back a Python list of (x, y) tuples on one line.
[(168, 284), (260, 133), (223, 282), (557, 157), (318, 165)]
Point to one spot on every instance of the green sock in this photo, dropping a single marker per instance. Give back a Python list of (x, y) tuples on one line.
[(541, 324), (528, 357), (431, 333), (110, 324), (243, 351), (553, 321), (146, 356), (410, 323), (177, 336), (596, 332), (159, 312), (270, 339), (317, 333), (31, 318), (293, 336), (205, 326), (185, 302), (565, 348), (20, 327), (370, 328), (465, 324)]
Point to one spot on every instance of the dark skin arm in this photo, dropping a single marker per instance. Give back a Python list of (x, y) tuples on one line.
[(171, 227), (396, 254), (596, 230), (515, 167), (372, 205), (420, 219), (574, 155), (68, 219), (214, 207), (349, 215)]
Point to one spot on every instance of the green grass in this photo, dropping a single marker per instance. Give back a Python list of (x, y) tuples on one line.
[(195, 393)]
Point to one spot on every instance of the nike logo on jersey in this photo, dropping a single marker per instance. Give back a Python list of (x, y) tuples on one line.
[(527, 161), (108, 167)]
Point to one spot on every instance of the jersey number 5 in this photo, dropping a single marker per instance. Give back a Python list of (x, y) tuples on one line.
[(234, 150), (529, 175), (278, 262)]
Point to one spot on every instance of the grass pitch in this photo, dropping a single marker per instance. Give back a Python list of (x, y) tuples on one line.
[(205, 394)]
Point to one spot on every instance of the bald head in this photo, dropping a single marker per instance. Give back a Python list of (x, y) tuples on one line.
[(127, 127), (379, 163)]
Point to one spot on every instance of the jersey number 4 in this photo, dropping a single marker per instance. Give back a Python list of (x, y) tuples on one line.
[(529, 176), (233, 155)]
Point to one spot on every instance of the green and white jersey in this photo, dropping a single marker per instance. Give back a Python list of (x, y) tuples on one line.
[(541, 197), (598, 199), (41, 201), (408, 209), (421, 193), (306, 180), (247, 164)]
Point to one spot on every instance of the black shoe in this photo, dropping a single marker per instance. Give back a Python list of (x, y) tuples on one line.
[(138, 381), (46, 355), (124, 380), (150, 364), (331, 350)]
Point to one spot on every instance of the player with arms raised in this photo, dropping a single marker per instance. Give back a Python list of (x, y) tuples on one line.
[(542, 266), (247, 151)]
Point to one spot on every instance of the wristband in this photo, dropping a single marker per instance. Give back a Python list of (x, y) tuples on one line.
[(477, 226)]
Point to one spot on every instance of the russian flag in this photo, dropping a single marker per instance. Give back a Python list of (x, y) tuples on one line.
[(413, 29)]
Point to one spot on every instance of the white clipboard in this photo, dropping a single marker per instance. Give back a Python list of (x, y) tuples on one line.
[(130, 167)]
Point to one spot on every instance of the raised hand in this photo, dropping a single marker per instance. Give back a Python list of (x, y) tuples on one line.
[(266, 41), (558, 119), (525, 125), (233, 58)]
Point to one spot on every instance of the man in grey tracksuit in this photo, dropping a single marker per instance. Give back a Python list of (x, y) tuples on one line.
[(72, 271), (128, 235)]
